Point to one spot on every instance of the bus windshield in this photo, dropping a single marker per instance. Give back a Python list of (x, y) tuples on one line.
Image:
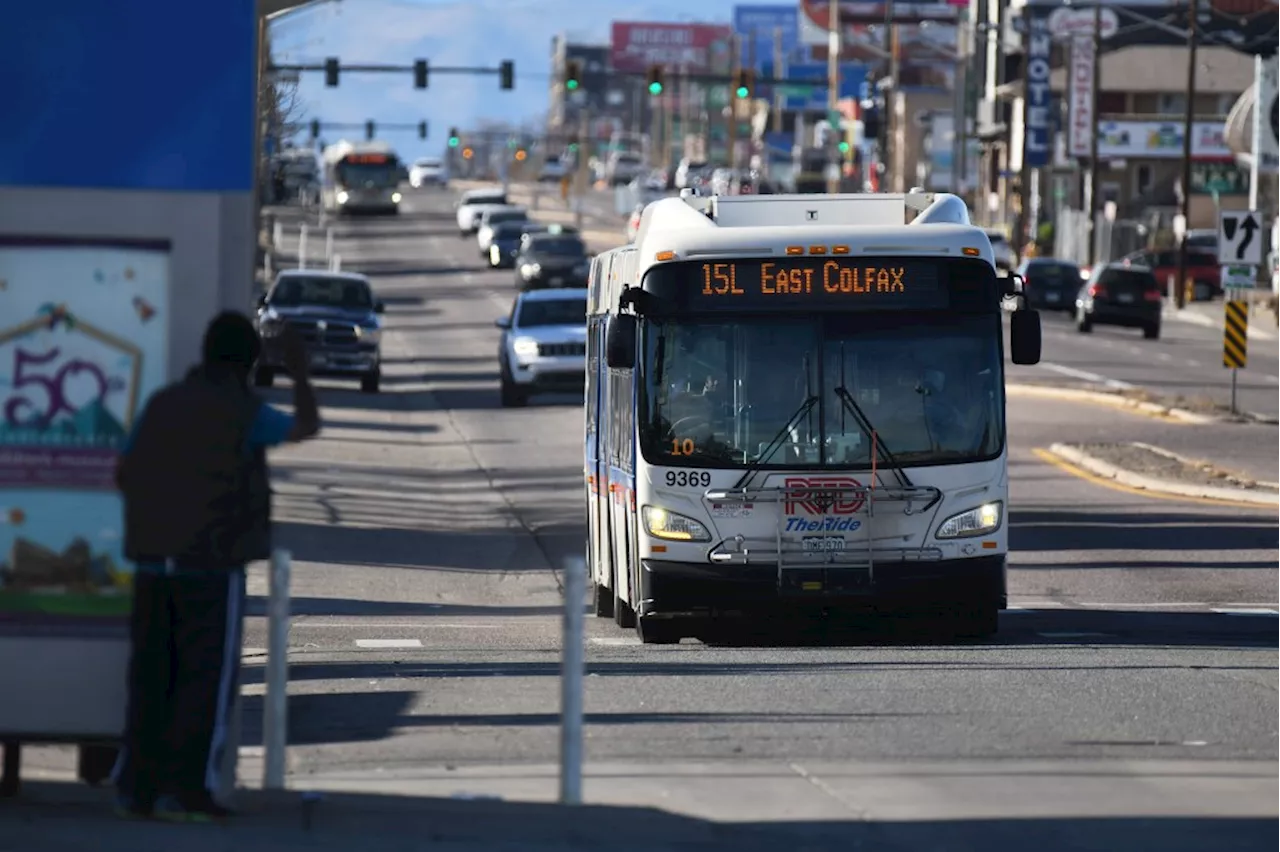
[(718, 391), (370, 175)]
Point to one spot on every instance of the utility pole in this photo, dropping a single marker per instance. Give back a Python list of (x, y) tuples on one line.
[(668, 130), (1188, 121), (731, 138), (778, 72), (584, 167), (686, 110), (891, 57), (1095, 251), (958, 114), (833, 97)]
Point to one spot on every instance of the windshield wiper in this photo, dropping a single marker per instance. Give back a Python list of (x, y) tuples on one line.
[(851, 405), (778, 440)]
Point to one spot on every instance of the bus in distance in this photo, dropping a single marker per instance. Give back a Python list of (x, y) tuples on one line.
[(789, 400), (361, 178)]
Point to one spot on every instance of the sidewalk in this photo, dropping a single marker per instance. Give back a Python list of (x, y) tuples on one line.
[(1262, 322)]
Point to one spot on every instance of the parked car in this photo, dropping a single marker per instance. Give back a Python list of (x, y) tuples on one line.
[(1122, 295), (337, 317), (544, 345), (472, 205), (428, 171), (1202, 268), (493, 217), (1050, 284), (552, 260)]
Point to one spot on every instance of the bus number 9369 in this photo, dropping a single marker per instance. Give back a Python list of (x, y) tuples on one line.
[(689, 478)]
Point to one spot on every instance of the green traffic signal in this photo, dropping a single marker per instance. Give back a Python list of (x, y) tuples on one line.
[(743, 91), (844, 147), (655, 88), (571, 84), (453, 141)]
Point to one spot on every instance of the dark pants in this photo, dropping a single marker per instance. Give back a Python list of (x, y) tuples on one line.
[(183, 681)]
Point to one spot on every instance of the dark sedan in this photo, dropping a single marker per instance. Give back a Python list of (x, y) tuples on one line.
[(1121, 295), (509, 237), (1051, 284), (337, 317), (552, 260)]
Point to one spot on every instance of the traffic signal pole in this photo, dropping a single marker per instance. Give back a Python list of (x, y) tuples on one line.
[(731, 136)]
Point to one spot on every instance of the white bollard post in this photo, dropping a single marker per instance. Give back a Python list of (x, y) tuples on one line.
[(335, 264), (572, 671), (302, 246), (328, 243), (277, 235), (275, 714)]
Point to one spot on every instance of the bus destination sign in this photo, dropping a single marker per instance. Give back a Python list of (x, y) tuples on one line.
[(808, 283), (372, 159)]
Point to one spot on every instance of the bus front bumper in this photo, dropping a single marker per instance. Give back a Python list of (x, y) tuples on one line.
[(700, 588)]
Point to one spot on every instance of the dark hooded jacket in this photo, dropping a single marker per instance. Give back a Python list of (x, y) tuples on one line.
[(194, 491)]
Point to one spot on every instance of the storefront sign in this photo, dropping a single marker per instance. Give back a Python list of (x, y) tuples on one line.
[(1080, 98)]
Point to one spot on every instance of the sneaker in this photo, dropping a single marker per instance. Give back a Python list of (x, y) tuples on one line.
[(129, 807), (199, 807)]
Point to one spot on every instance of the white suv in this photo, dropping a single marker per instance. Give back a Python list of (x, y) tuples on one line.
[(428, 171), (544, 345)]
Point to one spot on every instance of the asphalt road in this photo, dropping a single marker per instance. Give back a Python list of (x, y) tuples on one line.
[(428, 526)]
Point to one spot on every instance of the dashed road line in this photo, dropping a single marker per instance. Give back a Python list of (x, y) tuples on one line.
[(388, 643), (1085, 375)]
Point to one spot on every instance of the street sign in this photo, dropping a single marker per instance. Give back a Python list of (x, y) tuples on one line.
[(1240, 237), (1239, 277), (1268, 108), (1235, 335)]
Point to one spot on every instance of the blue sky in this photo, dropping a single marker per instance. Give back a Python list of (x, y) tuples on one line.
[(451, 33)]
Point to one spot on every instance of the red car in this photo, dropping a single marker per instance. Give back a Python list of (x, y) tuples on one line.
[(1202, 268)]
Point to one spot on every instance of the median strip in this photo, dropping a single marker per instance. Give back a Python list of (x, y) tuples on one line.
[(1158, 472)]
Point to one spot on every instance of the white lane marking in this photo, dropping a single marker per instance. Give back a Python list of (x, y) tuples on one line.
[(253, 652), (416, 625), (388, 643), (1086, 375), (1164, 356), (1191, 363), (1231, 611), (614, 641)]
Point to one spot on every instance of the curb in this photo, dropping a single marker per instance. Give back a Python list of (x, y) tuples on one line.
[(1150, 409), (1106, 470)]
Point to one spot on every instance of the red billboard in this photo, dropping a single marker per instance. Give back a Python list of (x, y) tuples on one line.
[(696, 48)]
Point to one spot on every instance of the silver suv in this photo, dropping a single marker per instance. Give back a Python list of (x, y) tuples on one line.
[(544, 345)]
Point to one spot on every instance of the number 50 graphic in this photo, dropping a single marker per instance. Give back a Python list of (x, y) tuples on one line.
[(40, 376)]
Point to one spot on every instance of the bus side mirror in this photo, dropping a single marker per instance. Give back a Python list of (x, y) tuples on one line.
[(1024, 336), (620, 342)]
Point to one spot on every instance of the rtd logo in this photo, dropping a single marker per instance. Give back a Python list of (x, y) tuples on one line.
[(811, 499)]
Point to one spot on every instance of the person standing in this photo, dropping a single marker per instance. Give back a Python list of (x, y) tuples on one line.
[(197, 508)]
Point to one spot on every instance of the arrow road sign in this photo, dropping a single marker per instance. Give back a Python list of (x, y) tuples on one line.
[(1238, 237)]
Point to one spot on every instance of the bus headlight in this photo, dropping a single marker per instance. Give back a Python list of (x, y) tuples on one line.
[(343, 196), (525, 346), (668, 525), (981, 520)]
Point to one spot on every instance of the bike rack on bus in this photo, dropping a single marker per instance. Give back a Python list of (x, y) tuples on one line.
[(913, 499)]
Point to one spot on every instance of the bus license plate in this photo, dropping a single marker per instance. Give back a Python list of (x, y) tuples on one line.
[(822, 543)]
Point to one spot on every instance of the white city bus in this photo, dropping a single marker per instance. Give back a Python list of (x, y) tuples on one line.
[(799, 398), (361, 178)]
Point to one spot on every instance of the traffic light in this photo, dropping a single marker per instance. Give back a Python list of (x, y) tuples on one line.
[(844, 147), (743, 83), (520, 155), (657, 79), (315, 129), (419, 73), (466, 153), (331, 72), (368, 130), (422, 130), (572, 74), (453, 137), (507, 75)]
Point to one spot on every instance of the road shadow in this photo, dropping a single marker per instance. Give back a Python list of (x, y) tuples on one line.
[(1058, 528), (309, 606), (59, 816)]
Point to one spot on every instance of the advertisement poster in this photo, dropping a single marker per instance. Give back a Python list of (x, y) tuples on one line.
[(83, 344)]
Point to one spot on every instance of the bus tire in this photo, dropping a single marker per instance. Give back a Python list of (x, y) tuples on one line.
[(658, 631)]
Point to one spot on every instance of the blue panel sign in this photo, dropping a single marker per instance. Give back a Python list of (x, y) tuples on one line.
[(1037, 115), (147, 94), (802, 95), (757, 24)]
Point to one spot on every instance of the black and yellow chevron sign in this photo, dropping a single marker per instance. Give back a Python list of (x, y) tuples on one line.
[(1235, 335)]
